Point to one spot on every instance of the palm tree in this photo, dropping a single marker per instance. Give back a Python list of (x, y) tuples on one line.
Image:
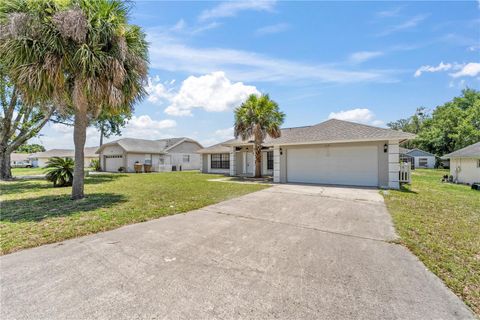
[(256, 118), (80, 55), (60, 171)]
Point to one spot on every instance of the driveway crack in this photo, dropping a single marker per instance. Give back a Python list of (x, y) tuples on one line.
[(299, 226)]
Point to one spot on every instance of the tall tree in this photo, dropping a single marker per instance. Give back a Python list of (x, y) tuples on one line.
[(83, 55), (111, 124), (19, 122), (453, 125), (257, 118), (30, 148)]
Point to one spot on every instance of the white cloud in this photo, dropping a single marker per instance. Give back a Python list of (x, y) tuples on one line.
[(360, 115), (408, 24), (468, 70), (362, 56), (274, 28), (212, 92), (232, 8), (156, 90), (174, 56), (145, 122), (389, 13), (218, 136), (441, 67)]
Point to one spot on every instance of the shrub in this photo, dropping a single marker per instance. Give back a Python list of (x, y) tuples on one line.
[(95, 164), (60, 171)]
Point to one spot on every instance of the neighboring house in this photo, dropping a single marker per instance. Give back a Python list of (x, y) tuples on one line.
[(419, 158), (40, 159), (19, 160), (404, 157), (331, 152), (465, 164), (163, 155)]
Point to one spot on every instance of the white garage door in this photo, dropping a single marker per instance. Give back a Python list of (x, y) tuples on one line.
[(113, 162), (346, 165)]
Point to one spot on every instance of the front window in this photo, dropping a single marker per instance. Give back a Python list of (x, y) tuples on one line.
[(270, 160), (422, 162), (186, 158), (220, 161)]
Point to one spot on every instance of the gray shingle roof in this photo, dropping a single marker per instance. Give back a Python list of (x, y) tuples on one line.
[(62, 153), (332, 130), (216, 148), (471, 151), (147, 146), (419, 153)]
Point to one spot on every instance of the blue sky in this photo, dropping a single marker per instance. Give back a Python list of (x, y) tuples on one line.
[(370, 62)]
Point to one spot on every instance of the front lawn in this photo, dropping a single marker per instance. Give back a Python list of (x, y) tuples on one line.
[(34, 213), (440, 223), (16, 172)]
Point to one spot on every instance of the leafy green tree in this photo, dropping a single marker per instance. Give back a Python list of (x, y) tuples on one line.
[(453, 125), (19, 122), (82, 55), (30, 148), (60, 171), (256, 118), (111, 124)]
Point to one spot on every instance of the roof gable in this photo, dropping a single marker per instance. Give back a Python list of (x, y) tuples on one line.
[(419, 153), (332, 131), (159, 146), (62, 153), (471, 151)]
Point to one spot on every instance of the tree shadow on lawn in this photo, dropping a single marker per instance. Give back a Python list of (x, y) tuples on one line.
[(405, 189), (37, 209), (21, 186)]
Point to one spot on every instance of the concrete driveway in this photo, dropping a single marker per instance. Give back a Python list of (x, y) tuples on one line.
[(288, 252)]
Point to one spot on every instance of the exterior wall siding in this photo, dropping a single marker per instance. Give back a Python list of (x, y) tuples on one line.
[(465, 170), (276, 164), (393, 164), (430, 162), (233, 168)]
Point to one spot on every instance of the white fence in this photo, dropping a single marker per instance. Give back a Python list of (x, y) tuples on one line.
[(405, 174)]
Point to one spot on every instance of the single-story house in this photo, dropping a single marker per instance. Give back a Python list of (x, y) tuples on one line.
[(163, 155), (40, 159), (465, 164), (418, 158), (331, 152), (19, 160)]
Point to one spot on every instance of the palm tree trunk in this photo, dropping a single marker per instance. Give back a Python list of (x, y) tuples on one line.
[(258, 160), (79, 138), (5, 169)]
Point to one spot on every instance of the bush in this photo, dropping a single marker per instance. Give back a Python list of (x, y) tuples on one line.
[(60, 171), (95, 164)]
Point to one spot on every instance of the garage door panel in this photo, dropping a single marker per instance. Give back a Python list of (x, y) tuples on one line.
[(112, 163), (333, 165)]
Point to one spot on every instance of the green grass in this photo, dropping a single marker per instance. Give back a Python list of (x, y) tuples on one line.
[(440, 223), (34, 213), (16, 172)]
